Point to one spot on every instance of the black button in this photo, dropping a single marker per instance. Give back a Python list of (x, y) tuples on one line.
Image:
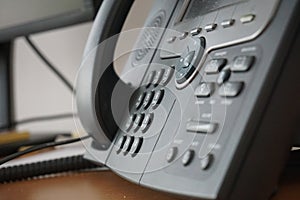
[(188, 157), (171, 154), (242, 63), (215, 66), (150, 78), (206, 162), (139, 101), (138, 122), (159, 94), (129, 122), (146, 122), (128, 143), (158, 76), (136, 146), (204, 90), (167, 76), (121, 142), (148, 99), (223, 76), (230, 89)]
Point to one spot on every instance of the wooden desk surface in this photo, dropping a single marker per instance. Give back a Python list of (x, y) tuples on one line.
[(104, 185)]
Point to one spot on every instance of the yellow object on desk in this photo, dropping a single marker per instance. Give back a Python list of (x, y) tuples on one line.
[(11, 137)]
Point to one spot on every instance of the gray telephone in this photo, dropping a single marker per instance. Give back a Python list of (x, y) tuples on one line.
[(208, 102)]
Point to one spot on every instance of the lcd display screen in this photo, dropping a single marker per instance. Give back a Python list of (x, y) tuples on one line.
[(201, 7)]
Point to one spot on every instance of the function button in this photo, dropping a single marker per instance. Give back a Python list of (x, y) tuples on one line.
[(138, 122), (148, 99), (147, 122), (242, 63), (183, 35), (139, 101), (171, 39), (136, 145), (223, 76), (150, 78), (204, 90), (196, 31), (215, 65), (247, 18), (188, 157), (172, 153), (206, 162), (230, 89), (201, 127), (167, 76), (121, 142), (159, 94), (210, 27), (158, 76), (227, 23), (129, 123), (184, 68), (128, 143)]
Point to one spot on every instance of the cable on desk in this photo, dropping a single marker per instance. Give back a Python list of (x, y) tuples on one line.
[(26, 171), (50, 65), (39, 147)]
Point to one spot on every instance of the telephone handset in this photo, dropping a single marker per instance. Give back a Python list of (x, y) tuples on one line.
[(202, 108)]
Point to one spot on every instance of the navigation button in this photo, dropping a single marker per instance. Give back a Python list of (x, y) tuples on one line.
[(230, 89)]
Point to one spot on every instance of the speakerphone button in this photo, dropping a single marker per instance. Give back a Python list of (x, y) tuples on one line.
[(210, 27), (171, 155), (230, 89), (188, 157), (247, 18), (242, 63), (215, 65)]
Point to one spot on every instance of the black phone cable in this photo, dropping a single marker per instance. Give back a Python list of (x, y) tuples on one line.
[(49, 64)]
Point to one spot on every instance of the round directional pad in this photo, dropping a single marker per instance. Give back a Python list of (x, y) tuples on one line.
[(189, 60)]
